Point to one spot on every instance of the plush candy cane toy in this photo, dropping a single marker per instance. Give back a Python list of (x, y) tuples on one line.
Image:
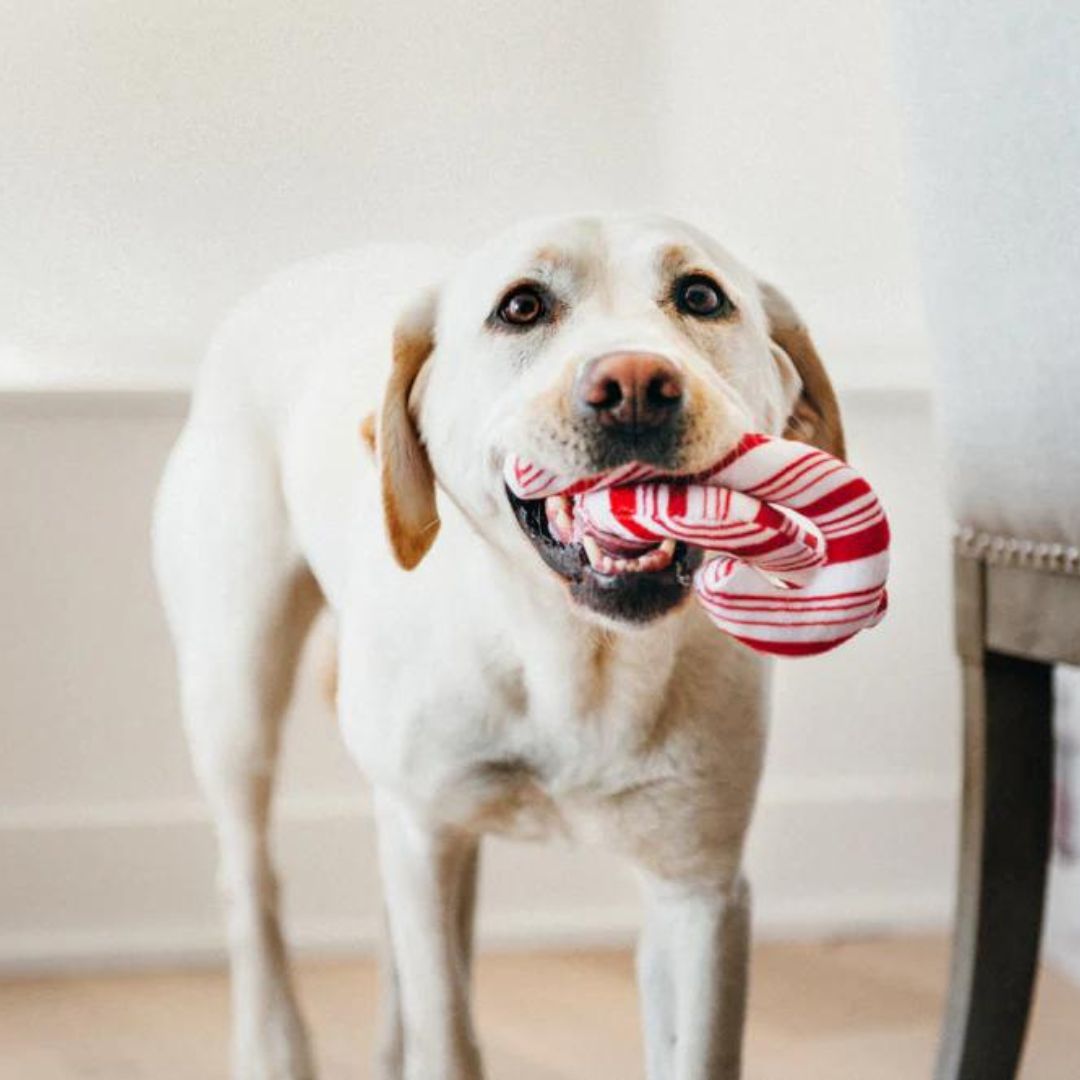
[(800, 541)]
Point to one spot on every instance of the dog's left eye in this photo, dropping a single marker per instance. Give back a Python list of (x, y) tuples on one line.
[(700, 296), (523, 306)]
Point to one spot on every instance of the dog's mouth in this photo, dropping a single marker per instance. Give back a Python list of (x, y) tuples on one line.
[(630, 581)]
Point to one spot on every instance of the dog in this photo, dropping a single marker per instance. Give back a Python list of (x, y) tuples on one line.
[(345, 448)]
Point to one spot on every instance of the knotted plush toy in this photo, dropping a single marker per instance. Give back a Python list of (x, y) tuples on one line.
[(800, 542)]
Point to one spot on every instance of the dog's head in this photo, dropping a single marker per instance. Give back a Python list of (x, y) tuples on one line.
[(583, 344)]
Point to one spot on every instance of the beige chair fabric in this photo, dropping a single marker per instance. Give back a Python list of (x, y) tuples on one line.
[(994, 93)]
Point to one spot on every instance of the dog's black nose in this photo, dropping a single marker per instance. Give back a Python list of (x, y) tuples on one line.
[(631, 393)]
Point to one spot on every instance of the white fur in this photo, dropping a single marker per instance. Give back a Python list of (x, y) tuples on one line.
[(473, 693)]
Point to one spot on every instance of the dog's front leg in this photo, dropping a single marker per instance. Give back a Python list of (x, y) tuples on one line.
[(693, 965), (429, 877)]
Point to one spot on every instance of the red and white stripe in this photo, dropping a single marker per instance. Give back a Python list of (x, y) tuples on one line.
[(800, 541)]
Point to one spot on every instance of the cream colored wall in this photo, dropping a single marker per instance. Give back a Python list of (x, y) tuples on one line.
[(781, 135), (160, 158), (105, 845), (1063, 914)]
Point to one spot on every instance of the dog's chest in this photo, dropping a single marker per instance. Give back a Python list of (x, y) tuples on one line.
[(523, 741), (553, 767)]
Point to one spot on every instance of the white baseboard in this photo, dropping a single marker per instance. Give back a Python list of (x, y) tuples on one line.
[(582, 928), (202, 945), (133, 885)]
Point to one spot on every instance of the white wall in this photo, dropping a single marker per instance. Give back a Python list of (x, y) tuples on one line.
[(781, 135), (160, 158), (1063, 916), (106, 847)]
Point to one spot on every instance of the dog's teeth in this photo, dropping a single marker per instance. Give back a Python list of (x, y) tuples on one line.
[(663, 555), (656, 558), (557, 508), (592, 550)]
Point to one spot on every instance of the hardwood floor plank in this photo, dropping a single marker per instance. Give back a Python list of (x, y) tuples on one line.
[(864, 1010)]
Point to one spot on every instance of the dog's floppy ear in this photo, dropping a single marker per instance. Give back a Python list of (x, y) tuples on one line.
[(815, 416), (408, 482)]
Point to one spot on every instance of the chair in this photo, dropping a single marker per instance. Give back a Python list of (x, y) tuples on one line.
[(993, 94)]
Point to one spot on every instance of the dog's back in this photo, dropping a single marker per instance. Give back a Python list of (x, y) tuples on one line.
[(286, 379)]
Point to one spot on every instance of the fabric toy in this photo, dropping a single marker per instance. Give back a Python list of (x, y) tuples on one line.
[(798, 539)]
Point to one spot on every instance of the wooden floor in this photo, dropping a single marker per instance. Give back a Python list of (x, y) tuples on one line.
[(859, 1010)]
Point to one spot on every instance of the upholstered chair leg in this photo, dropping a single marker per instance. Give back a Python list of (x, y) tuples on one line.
[(1008, 762)]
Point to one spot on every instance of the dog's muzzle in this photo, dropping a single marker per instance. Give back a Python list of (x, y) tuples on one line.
[(631, 407), (628, 581)]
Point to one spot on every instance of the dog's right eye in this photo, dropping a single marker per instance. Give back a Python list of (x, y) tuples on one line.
[(523, 306)]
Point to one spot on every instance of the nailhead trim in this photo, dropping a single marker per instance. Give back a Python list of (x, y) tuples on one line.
[(1010, 551)]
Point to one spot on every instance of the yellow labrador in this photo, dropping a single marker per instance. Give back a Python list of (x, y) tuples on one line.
[(514, 681)]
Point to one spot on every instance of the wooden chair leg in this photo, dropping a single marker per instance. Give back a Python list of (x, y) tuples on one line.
[(1008, 784)]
